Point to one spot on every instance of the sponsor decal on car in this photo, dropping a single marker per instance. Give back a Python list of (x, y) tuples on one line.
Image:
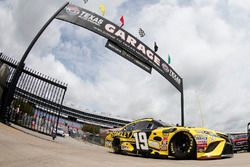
[(154, 144), (201, 141), (126, 148), (163, 147), (108, 144), (212, 138), (200, 149), (165, 134), (203, 132), (121, 134), (165, 140)]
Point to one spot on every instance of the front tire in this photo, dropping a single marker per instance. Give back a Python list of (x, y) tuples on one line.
[(182, 146), (116, 145)]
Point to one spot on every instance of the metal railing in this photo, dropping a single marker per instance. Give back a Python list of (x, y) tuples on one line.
[(34, 91)]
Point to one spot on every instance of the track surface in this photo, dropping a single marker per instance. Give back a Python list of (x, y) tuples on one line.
[(20, 147)]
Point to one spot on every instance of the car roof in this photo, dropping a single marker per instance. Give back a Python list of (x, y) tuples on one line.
[(149, 120), (140, 120)]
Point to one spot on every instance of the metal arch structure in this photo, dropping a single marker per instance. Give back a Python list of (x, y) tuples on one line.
[(119, 41)]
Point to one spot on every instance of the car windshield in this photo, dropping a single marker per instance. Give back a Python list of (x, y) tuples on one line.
[(163, 124)]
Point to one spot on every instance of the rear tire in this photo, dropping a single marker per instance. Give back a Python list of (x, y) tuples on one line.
[(248, 142), (116, 145), (182, 146)]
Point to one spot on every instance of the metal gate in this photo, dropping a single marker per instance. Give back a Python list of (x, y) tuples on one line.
[(37, 101)]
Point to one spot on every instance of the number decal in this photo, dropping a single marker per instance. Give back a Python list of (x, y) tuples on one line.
[(141, 141)]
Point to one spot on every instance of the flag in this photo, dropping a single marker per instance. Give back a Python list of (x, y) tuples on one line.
[(169, 59), (122, 21), (85, 1), (155, 47), (141, 32), (102, 8)]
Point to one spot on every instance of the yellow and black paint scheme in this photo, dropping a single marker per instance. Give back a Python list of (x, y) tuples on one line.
[(149, 137)]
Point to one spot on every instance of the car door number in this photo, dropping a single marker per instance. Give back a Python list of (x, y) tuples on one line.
[(141, 141)]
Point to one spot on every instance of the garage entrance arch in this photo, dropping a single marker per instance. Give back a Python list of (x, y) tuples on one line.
[(118, 40)]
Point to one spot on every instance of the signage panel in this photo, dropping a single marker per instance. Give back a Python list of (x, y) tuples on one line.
[(93, 22), (115, 48)]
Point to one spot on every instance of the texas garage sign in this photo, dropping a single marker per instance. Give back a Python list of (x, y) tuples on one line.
[(118, 39)]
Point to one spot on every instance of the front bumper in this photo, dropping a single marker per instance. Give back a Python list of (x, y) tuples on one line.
[(227, 152)]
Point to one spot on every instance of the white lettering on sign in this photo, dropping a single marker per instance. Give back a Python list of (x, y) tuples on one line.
[(122, 38), (175, 77), (120, 34), (91, 18), (131, 40), (141, 48)]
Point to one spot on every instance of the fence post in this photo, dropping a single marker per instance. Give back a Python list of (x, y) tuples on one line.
[(59, 111)]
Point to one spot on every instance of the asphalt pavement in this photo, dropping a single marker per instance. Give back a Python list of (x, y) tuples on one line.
[(20, 147)]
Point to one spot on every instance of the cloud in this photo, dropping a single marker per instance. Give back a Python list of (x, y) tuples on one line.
[(206, 50), (208, 42)]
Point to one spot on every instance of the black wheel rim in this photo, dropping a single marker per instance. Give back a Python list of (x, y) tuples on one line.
[(182, 144)]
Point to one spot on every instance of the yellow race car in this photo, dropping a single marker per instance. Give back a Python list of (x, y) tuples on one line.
[(149, 137)]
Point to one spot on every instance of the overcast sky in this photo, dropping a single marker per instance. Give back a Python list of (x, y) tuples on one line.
[(208, 40)]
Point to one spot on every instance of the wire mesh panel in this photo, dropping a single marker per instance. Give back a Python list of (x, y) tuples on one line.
[(37, 101)]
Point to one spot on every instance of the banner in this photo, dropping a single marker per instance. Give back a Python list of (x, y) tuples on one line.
[(121, 38), (115, 48)]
